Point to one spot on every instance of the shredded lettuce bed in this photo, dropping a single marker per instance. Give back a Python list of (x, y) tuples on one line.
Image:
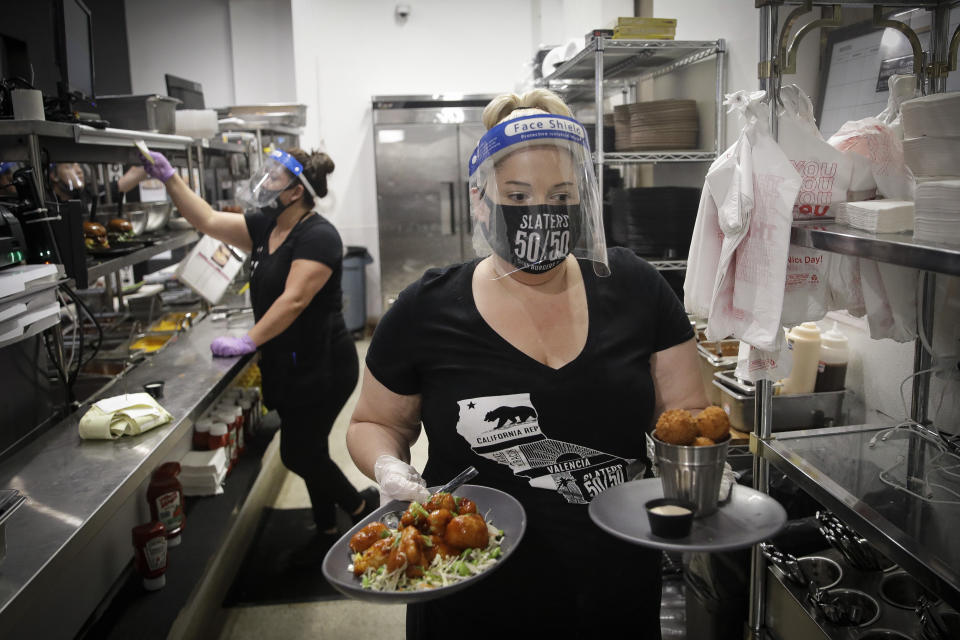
[(442, 571)]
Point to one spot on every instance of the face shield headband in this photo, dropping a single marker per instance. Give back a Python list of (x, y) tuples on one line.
[(534, 196)]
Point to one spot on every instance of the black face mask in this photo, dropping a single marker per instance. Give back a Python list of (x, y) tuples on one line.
[(535, 238), (276, 207)]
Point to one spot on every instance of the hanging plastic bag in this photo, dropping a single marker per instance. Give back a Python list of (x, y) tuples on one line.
[(829, 175), (704, 254), (890, 297), (755, 218), (882, 149), (902, 88), (845, 291)]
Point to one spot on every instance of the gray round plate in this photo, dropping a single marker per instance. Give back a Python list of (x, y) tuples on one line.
[(500, 509), (747, 518)]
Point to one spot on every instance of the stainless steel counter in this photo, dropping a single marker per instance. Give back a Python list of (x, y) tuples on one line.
[(74, 487), (854, 471)]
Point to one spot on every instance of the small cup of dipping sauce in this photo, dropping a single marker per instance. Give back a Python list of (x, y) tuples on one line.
[(155, 389), (669, 517)]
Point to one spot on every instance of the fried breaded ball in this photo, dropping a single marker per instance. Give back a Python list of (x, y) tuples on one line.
[(467, 531), (700, 441), (676, 426), (713, 423), (364, 539)]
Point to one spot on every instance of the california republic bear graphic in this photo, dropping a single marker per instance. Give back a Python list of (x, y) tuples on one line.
[(514, 415), (516, 440)]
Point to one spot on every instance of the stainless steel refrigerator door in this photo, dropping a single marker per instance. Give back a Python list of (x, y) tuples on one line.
[(418, 175)]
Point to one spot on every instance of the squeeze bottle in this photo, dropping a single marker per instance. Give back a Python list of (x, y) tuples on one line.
[(834, 356), (804, 342)]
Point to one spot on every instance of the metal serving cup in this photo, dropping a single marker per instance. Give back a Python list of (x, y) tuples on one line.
[(902, 591), (692, 473), (848, 599), (823, 572)]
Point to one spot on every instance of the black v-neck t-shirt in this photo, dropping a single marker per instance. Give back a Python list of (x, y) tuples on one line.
[(313, 238), (552, 438)]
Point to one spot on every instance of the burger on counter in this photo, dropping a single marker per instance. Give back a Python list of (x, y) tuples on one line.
[(119, 230), (95, 236)]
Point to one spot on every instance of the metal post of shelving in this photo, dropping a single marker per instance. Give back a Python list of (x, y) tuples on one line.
[(720, 130), (763, 391)]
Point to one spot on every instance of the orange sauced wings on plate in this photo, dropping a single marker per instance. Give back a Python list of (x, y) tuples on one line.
[(438, 543)]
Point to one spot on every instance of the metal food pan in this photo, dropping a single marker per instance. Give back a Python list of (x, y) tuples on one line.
[(790, 412), (715, 356)]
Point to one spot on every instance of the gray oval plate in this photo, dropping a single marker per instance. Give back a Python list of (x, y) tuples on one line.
[(500, 509), (747, 518)]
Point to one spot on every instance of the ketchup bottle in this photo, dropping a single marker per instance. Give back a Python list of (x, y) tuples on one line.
[(150, 554), (165, 496)]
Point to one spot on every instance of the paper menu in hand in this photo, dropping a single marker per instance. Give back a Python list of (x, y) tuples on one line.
[(209, 268)]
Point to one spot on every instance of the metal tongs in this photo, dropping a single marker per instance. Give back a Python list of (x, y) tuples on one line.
[(834, 609), (854, 547), (932, 626), (786, 562)]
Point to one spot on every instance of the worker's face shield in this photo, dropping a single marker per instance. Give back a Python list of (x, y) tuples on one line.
[(534, 197), (68, 179), (280, 171)]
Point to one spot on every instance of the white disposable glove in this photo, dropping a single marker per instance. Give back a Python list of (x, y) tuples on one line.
[(399, 481)]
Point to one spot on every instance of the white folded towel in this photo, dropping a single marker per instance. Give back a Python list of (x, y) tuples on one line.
[(129, 414)]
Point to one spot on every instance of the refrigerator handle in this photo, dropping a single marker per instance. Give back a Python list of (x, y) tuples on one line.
[(448, 219), (466, 210)]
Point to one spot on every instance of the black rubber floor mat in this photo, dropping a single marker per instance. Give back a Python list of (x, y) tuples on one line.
[(267, 576)]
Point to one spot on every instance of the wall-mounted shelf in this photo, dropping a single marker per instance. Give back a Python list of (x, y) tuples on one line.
[(174, 241), (653, 157), (893, 248)]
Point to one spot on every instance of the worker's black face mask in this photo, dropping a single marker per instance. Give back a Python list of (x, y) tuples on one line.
[(276, 207), (533, 238)]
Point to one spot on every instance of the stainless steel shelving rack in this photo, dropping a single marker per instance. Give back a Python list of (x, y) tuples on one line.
[(839, 466), (607, 63)]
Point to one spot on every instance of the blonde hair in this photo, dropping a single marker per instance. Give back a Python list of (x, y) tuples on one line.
[(509, 106)]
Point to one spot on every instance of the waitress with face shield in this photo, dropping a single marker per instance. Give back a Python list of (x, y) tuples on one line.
[(308, 359), (542, 363)]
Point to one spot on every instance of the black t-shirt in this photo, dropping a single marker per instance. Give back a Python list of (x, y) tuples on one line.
[(553, 439), (313, 238)]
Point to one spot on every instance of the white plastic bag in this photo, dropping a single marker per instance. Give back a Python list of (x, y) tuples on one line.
[(828, 173), (874, 141), (890, 297), (755, 218)]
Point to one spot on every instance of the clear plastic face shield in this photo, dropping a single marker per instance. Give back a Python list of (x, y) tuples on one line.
[(534, 197), (68, 178), (280, 171)]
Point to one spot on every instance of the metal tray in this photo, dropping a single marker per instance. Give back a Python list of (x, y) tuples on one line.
[(748, 517), (500, 509)]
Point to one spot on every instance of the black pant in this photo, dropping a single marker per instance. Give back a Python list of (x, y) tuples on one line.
[(305, 424)]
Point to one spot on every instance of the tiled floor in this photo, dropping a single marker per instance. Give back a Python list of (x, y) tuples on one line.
[(335, 620)]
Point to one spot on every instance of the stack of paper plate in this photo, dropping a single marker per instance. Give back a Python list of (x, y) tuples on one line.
[(657, 125), (621, 126)]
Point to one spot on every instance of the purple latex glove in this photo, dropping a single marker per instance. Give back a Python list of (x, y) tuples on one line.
[(160, 168), (228, 346)]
